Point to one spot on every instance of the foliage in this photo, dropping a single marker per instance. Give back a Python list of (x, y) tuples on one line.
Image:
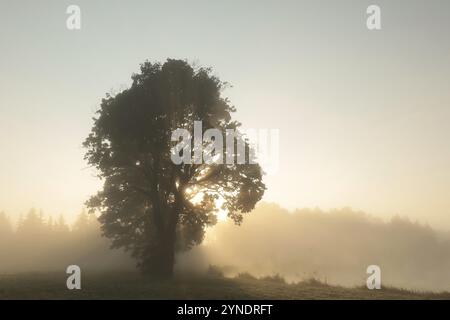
[(147, 204)]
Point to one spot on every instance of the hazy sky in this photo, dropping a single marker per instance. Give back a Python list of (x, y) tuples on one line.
[(363, 115)]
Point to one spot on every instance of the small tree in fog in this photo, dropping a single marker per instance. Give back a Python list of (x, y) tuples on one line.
[(86, 225), (32, 225), (6, 230), (147, 204)]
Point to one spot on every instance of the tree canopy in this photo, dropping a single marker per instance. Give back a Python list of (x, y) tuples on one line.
[(150, 205)]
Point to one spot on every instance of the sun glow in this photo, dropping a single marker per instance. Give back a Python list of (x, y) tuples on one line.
[(220, 214)]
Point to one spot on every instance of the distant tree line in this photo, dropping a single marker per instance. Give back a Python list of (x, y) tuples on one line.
[(42, 243)]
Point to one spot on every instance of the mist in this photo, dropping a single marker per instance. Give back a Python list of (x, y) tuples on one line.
[(333, 246), (39, 243)]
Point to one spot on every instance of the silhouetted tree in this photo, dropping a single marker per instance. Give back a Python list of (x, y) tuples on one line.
[(147, 202), (85, 224), (32, 225), (6, 230), (50, 224), (61, 226)]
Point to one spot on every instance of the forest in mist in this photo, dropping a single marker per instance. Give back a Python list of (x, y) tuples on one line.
[(38, 243), (334, 246)]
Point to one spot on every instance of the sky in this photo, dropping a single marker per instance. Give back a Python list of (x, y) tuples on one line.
[(363, 115)]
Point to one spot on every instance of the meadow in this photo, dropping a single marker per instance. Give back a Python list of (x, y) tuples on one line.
[(130, 285)]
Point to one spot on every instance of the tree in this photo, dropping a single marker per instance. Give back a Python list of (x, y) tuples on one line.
[(6, 230), (61, 226), (85, 224), (32, 225), (150, 205)]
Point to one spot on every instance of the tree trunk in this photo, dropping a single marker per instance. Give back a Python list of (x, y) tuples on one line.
[(159, 261)]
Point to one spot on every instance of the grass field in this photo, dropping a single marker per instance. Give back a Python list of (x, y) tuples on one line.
[(124, 285)]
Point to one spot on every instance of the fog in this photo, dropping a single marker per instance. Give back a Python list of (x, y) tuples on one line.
[(334, 247), (40, 244)]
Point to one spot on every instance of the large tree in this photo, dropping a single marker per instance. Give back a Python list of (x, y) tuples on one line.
[(149, 204)]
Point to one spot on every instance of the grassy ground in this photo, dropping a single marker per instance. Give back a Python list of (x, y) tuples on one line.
[(123, 285)]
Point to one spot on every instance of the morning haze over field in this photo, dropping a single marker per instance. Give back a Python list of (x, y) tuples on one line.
[(363, 119)]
